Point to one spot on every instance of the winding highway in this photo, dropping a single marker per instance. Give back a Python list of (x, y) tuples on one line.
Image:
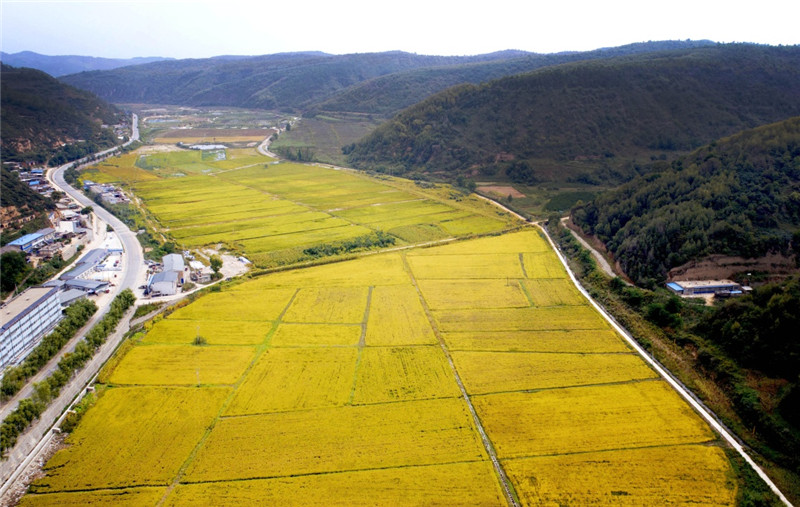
[(133, 266), (36, 437)]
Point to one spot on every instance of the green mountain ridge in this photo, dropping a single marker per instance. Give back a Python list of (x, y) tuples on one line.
[(290, 81), (603, 113), (309, 82), (737, 196), (388, 94), (40, 113)]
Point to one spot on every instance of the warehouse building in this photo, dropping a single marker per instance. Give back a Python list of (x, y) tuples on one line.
[(703, 287), (25, 319), (164, 283)]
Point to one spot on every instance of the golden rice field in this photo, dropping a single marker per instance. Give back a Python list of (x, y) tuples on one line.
[(354, 383), (273, 212)]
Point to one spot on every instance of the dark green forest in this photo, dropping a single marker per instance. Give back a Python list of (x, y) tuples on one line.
[(737, 196), (608, 112), (40, 113)]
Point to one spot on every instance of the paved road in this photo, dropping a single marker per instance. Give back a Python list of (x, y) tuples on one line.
[(601, 261), (132, 275)]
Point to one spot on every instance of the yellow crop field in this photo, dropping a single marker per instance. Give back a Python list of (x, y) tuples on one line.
[(516, 371), (520, 319), (296, 379), (335, 305), (528, 240), (182, 365), (344, 438), (473, 483), (403, 373), (396, 317), (178, 331), (543, 265), (671, 475), (305, 335), (553, 292), (121, 441), (591, 418), (334, 384), (577, 341), (454, 294), (466, 266), (237, 306), (133, 497), (118, 169)]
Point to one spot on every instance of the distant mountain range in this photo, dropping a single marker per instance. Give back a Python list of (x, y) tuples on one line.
[(601, 113), (373, 83), (70, 64), (40, 115)]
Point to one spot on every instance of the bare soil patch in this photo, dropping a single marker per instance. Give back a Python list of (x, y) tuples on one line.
[(502, 191), (716, 267)]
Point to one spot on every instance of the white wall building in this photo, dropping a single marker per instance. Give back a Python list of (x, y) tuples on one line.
[(25, 319)]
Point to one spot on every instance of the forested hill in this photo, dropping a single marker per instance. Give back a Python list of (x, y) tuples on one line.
[(371, 83), (40, 113), (289, 81), (606, 110), (69, 64), (389, 94), (737, 196)]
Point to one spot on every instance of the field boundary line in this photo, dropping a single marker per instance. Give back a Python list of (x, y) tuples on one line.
[(698, 406), (505, 482)]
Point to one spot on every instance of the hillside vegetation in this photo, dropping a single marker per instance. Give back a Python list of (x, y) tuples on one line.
[(40, 114), (290, 81), (606, 112), (738, 196), (371, 83), (389, 94)]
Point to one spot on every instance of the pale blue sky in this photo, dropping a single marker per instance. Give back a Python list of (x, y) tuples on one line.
[(196, 29)]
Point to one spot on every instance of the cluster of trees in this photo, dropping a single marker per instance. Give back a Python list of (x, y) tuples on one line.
[(46, 391), (739, 196), (16, 273), (296, 153), (607, 111), (75, 317), (378, 239)]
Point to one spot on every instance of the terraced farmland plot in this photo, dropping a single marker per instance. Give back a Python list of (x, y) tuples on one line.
[(264, 305), (681, 475), (520, 319), (403, 373), (134, 436), (474, 483), (396, 317), (593, 418), (553, 292), (182, 365), (216, 332), (513, 371), (132, 497), (575, 341), (338, 439), (310, 335), (296, 379)]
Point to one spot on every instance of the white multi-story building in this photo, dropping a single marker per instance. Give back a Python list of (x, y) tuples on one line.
[(25, 319)]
